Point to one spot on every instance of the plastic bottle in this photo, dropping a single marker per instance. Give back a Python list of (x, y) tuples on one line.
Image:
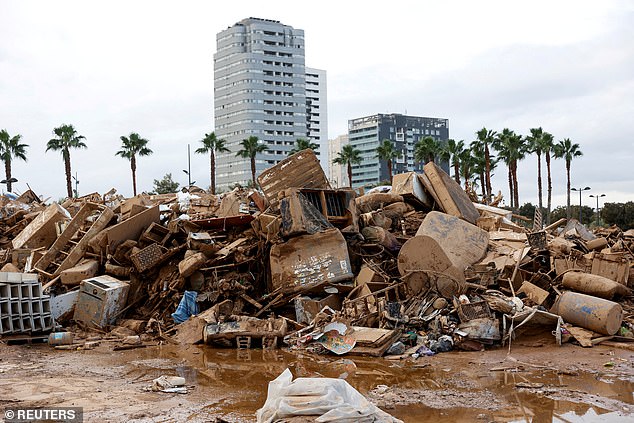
[(60, 338)]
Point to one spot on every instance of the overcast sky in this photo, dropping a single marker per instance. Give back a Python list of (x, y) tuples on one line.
[(115, 67)]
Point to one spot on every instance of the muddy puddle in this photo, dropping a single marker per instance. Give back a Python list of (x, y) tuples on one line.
[(435, 389)]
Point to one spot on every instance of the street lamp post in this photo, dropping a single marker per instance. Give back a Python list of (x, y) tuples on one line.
[(76, 185), (580, 191), (597, 198), (8, 181), (189, 168)]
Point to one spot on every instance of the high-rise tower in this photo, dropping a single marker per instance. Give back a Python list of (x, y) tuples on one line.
[(366, 133), (317, 113), (259, 90)]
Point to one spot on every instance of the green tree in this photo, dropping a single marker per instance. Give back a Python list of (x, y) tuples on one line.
[(619, 214), (165, 185), (511, 148), (212, 145), (451, 151), (527, 210), (66, 138), (587, 213), (567, 150), (485, 138), (386, 151), (303, 144), (131, 147), (348, 156), (10, 147), (426, 149), (250, 148)]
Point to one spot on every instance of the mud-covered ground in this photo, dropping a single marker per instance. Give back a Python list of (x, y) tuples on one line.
[(536, 382)]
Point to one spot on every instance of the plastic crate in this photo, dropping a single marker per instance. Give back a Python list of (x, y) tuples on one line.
[(475, 310)]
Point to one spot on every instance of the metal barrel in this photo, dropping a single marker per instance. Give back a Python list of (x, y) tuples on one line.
[(596, 314)]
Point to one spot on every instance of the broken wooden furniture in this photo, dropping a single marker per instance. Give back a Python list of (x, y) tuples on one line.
[(71, 245)]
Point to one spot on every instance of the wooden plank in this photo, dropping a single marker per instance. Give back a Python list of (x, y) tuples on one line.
[(535, 293), (78, 250), (225, 251), (131, 228), (61, 243), (251, 301), (41, 231), (615, 267)]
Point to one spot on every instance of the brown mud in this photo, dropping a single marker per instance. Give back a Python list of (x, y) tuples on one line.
[(536, 382)]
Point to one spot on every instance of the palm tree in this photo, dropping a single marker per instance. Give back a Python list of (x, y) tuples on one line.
[(485, 139), (303, 144), (426, 149), (67, 138), (250, 148), (566, 150), (386, 151), (130, 147), (547, 147), (534, 145), (10, 147), (478, 164), (511, 148), (468, 164), (348, 156), (451, 151), (211, 145)]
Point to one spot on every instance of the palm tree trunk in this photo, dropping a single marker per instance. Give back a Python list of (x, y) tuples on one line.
[(539, 181), (253, 170), (7, 172), (549, 184), (212, 170), (69, 187), (568, 189), (487, 171), (483, 185), (133, 167), (510, 177), (389, 170), (431, 158), (350, 174), (516, 189), (456, 171)]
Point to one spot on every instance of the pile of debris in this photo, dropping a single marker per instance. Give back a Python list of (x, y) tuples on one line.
[(418, 270)]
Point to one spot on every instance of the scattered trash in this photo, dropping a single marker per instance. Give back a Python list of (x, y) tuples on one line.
[(169, 384), (411, 270)]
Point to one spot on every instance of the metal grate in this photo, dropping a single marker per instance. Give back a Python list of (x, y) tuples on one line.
[(335, 203), (314, 198)]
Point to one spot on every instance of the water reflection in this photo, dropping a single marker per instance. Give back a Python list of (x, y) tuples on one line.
[(241, 377)]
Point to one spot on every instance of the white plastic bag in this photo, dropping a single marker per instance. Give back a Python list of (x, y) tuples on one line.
[(333, 400)]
